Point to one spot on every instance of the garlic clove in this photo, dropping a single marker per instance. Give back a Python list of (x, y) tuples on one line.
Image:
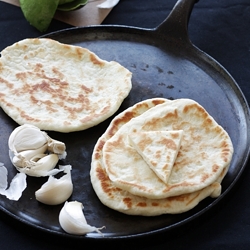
[(56, 191), (72, 219), (20, 159), (40, 165), (46, 162), (26, 137)]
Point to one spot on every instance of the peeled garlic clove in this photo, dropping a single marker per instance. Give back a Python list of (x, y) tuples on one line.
[(72, 219), (20, 159), (41, 167), (26, 137), (56, 191)]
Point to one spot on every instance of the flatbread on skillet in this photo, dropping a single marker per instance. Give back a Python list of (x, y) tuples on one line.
[(59, 87), (125, 202), (158, 149), (206, 149)]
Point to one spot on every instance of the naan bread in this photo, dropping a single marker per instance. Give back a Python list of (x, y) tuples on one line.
[(158, 149), (122, 200), (59, 87), (206, 149)]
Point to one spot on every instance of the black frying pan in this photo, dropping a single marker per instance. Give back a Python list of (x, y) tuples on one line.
[(166, 64)]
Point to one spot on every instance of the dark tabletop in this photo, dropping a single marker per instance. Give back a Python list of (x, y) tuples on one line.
[(221, 29)]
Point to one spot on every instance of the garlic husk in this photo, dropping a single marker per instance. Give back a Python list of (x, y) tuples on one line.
[(17, 185), (72, 219), (3, 177), (56, 191), (26, 137), (56, 146)]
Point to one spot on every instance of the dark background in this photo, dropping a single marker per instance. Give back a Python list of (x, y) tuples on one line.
[(221, 29)]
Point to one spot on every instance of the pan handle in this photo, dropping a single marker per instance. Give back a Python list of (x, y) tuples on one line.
[(176, 24)]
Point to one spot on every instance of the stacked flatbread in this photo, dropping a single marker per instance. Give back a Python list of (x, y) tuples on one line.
[(59, 87), (160, 156)]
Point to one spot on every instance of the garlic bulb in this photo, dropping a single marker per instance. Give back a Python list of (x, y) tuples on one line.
[(56, 191), (72, 219), (33, 152)]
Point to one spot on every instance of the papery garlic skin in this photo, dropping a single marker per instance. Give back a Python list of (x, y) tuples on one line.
[(56, 146), (3, 177), (56, 191), (16, 187), (72, 219)]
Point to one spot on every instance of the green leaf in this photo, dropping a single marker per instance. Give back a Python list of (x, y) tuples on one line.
[(72, 5), (39, 13)]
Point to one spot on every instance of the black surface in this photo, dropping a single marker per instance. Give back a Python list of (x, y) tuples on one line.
[(227, 224)]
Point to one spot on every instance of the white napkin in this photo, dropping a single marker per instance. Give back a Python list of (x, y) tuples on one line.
[(108, 4)]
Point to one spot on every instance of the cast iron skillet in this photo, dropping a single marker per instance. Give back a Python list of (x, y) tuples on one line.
[(166, 64)]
